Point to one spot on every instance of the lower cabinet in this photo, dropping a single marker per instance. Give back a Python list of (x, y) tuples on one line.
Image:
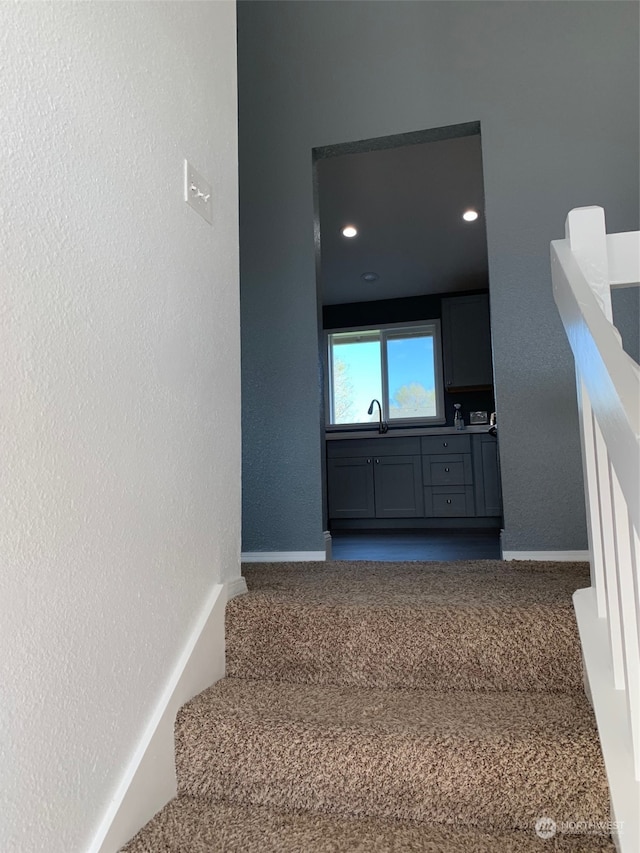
[(398, 486), (429, 478), (350, 487), (448, 476), (375, 487), (488, 491)]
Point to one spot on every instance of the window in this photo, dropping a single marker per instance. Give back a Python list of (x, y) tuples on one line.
[(398, 365)]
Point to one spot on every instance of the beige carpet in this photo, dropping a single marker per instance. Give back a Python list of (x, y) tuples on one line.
[(486, 625), (192, 826), (391, 707)]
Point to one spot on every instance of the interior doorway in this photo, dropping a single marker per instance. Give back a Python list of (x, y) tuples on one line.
[(401, 250)]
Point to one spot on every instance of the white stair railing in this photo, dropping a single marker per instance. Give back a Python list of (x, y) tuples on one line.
[(585, 266)]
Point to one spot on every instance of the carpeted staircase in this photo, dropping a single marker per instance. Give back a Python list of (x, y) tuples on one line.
[(381, 707)]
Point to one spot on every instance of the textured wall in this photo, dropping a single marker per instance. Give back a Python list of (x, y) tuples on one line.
[(119, 365), (555, 87)]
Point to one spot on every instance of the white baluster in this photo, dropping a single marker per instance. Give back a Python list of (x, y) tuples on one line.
[(609, 556), (628, 613), (590, 470)]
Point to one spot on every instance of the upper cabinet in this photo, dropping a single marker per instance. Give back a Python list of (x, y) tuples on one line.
[(466, 342)]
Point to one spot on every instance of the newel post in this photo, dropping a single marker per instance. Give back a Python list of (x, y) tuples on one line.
[(586, 234)]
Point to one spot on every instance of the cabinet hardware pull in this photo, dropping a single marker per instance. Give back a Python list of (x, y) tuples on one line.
[(445, 444), (446, 470), (448, 500), (368, 462), (377, 461)]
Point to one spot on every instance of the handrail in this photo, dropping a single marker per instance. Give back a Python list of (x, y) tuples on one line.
[(585, 265), (611, 376)]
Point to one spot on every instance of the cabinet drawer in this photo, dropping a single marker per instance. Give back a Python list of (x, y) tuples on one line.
[(381, 446), (447, 470), (448, 501), (446, 444)]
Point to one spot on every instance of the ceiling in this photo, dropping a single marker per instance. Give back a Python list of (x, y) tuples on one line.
[(407, 204)]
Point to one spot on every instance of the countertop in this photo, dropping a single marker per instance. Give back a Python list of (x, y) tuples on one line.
[(404, 431)]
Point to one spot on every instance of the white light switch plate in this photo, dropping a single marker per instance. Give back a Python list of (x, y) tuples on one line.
[(197, 192)]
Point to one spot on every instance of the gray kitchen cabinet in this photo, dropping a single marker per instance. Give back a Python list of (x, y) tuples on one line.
[(449, 502), (447, 473), (374, 478), (466, 342), (398, 486), (488, 492), (457, 442), (425, 481), (448, 470), (350, 487)]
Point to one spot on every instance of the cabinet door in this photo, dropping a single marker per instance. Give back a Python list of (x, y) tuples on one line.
[(487, 475), (350, 487), (466, 342), (398, 486)]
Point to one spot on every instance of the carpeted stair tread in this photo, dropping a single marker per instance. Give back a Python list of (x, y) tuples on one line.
[(186, 825), (480, 582), (470, 625), (496, 760)]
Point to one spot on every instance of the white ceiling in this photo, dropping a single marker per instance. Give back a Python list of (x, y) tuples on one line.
[(407, 204)]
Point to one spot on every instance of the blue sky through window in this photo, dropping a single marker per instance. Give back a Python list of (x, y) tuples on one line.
[(357, 380), (410, 366), (356, 369)]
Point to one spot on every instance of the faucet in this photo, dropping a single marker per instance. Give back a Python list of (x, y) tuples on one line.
[(383, 427)]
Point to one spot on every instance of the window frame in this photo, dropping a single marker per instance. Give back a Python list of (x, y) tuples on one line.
[(388, 330)]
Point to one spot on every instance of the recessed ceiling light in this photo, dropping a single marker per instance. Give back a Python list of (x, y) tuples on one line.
[(370, 276), (470, 215), (349, 231)]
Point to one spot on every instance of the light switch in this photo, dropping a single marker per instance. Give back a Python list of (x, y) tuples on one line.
[(197, 192)]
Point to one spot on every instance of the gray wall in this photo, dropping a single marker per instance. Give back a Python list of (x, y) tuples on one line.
[(625, 304), (555, 87)]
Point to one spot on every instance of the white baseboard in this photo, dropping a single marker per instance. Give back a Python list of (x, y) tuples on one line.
[(149, 781), (554, 556), (612, 716), (281, 556), (238, 586), (328, 545)]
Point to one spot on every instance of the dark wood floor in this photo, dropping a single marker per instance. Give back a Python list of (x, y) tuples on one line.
[(416, 545)]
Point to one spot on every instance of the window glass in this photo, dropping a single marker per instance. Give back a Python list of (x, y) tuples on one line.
[(356, 376), (397, 365), (411, 372)]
